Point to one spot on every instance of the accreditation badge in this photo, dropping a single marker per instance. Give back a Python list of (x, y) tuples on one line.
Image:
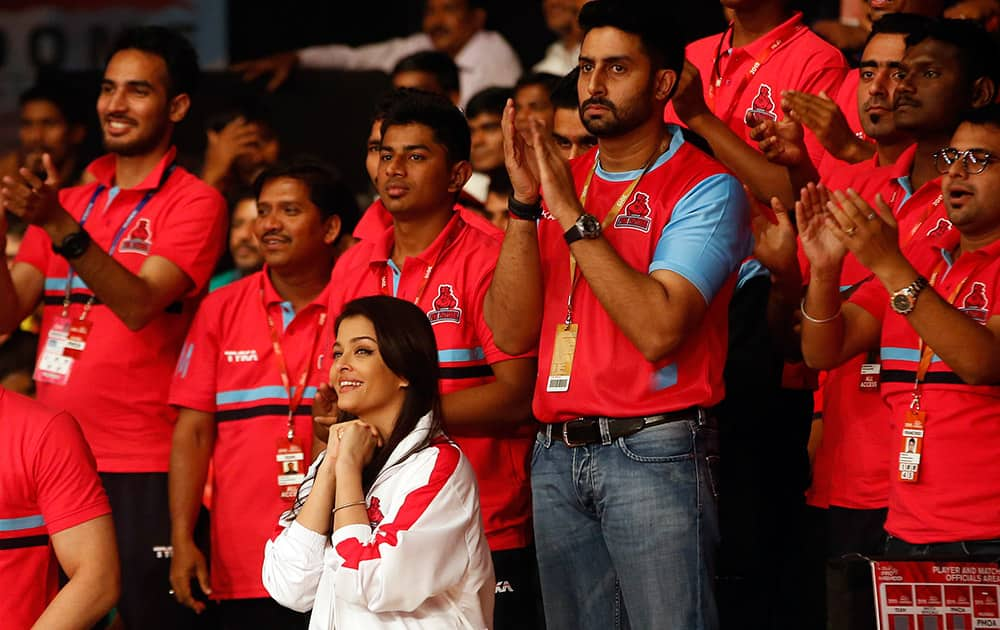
[(912, 445), (54, 366), (291, 460), (76, 340), (562, 358)]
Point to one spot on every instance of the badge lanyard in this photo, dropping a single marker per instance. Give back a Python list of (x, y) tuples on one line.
[(914, 418), (574, 275), (916, 228), (715, 81), (114, 242), (386, 283), (294, 400)]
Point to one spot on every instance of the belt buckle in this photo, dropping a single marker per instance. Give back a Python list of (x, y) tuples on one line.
[(565, 436)]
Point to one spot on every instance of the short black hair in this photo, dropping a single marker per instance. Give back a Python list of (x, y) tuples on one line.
[(544, 79), (250, 106), (432, 62), (650, 21), (490, 100), (988, 115), (166, 43), (898, 24), (388, 100), (449, 125), (53, 88), (326, 188), (977, 52), (564, 95)]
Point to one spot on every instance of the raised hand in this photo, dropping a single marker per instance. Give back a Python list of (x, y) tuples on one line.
[(27, 196), (825, 119), (279, 66), (781, 142), (555, 176), (823, 249), (775, 243), (870, 234), (237, 138), (518, 158), (353, 444), (689, 97)]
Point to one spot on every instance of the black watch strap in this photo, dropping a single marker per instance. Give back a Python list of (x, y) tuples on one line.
[(524, 211), (73, 245), (572, 235)]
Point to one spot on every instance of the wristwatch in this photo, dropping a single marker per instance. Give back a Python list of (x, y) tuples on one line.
[(587, 226), (525, 211), (73, 245), (905, 300)]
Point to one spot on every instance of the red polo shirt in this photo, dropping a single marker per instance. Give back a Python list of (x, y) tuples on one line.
[(957, 497), (228, 368), (686, 215), (462, 260), (118, 388), (801, 61), (48, 483)]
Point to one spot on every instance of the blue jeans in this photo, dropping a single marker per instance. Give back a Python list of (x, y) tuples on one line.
[(626, 532)]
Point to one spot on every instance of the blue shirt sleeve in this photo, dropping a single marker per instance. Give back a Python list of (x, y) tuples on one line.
[(708, 235)]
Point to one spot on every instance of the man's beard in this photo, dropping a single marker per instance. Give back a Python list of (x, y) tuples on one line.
[(138, 146)]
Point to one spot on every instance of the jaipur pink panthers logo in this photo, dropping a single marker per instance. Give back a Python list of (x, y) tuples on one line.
[(635, 214), (942, 227), (761, 107), (446, 307), (975, 304), (374, 512), (140, 239)]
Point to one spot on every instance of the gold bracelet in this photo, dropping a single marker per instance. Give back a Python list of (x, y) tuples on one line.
[(347, 505), (802, 307)]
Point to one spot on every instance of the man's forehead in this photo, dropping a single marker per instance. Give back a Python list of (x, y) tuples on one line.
[(930, 51), (408, 134), (136, 65), (885, 47), (607, 41), (977, 136)]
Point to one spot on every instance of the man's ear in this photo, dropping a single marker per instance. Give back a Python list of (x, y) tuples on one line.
[(179, 106), (460, 174), (664, 82), (332, 231), (983, 92)]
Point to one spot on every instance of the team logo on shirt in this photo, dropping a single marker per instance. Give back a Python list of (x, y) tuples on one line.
[(446, 307), (635, 214), (940, 228), (975, 304), (140, 239), (761, 107), (374, 512)]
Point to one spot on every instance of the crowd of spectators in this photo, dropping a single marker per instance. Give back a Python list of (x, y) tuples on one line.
[(774, 345)]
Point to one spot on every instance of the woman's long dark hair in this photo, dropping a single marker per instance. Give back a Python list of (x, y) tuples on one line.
[(408, 348)]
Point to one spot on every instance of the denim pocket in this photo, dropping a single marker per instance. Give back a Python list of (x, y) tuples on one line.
[(536, 448), (664, 443)]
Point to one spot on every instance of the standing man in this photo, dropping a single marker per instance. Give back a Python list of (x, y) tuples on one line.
[(246, 407), (52, 507), (455, 27), (930, 309), (624, 503), (441, 256), (121, 264)]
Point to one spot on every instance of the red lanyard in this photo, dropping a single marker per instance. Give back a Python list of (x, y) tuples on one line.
[(916, 228), (715, 81), (386, 285), (300, 387)]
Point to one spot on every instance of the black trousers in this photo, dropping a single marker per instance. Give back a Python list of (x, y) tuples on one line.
[(518, 596)]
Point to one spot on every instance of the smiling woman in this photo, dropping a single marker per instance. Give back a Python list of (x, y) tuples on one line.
[(386, 529)]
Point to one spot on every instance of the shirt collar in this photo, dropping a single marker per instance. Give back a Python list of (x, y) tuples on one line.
[(783, 32), (676, 140), (271, 296), (382, 247), (104, 168)]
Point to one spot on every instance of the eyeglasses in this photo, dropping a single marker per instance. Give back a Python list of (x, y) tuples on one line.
[(974, 161)]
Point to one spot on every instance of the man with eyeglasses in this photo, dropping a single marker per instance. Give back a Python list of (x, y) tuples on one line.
[(931, 312)]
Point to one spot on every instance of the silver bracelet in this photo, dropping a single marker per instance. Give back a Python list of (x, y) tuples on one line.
[(347, 505), (802, 307)]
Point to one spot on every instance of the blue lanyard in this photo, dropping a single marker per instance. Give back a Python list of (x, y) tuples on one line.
[(118, 235)]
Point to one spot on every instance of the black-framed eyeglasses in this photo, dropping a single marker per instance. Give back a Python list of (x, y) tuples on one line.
[(974, 161)]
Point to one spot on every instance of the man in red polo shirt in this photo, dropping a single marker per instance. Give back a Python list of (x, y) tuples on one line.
[(441, 256), (735, 79), (631, 306), (52, 507), (240, 401), (120, 265), (930, 309)]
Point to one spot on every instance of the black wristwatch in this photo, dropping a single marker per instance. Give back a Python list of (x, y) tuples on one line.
[(73, 245), (587, 226), (525, 211), (905, 300)]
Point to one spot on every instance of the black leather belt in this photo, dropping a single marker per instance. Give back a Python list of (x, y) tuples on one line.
[(602, 429)]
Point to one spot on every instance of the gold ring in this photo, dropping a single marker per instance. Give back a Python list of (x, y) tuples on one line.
[(871, 217), (851, 230)]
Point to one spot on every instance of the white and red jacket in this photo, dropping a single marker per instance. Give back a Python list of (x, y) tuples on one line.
[(423, 562)]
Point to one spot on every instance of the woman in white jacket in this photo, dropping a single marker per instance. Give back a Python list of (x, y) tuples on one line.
[(407, 548)]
